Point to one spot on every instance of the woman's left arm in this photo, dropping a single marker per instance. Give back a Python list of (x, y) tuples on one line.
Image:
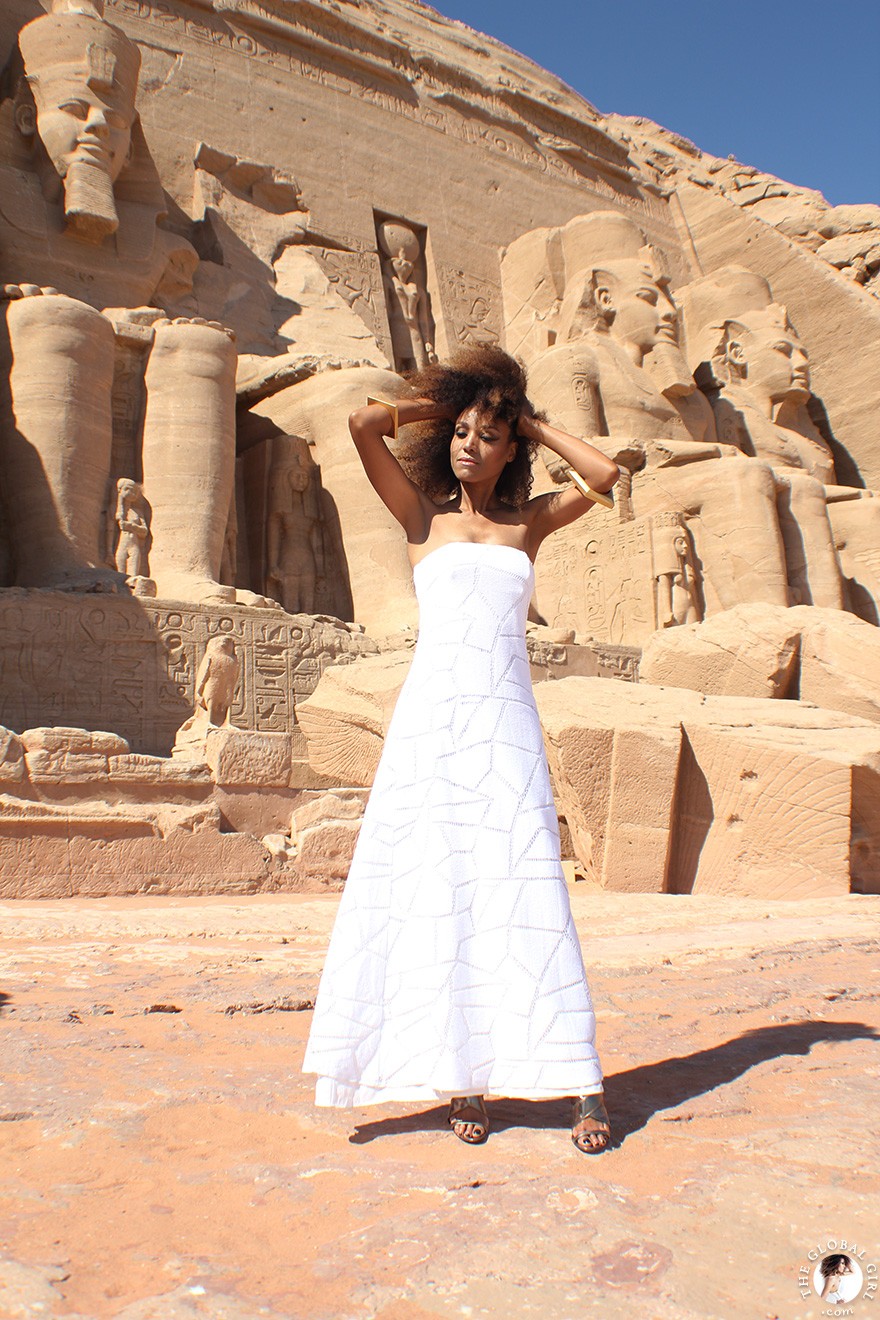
[(550, 512), (597, 470)]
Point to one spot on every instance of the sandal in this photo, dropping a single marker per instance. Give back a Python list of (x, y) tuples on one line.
[(468, 1119), (589, 1119)]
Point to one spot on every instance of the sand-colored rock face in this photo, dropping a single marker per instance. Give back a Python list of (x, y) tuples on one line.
[(197, 287), (722, 794), (821, 656)]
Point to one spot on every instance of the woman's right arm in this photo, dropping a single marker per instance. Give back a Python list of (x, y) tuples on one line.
[(369, 426)]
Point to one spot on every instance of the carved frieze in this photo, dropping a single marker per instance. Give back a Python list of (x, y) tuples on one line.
[(131, 665)]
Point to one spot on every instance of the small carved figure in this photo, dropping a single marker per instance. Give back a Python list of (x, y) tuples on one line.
[(216, 679), (133, 521), (294, 545), (215, 687), (409, 311), (674, 572)]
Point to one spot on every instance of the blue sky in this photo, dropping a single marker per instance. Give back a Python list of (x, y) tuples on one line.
[(791, 88)]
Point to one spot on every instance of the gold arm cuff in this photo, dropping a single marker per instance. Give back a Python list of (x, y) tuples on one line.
[(391, 407), (605, 498)]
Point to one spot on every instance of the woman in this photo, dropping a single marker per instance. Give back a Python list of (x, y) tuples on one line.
[(454, 969), (834, 1269)]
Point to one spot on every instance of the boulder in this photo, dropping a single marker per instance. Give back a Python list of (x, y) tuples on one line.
[(345, 718), (324, 831), (828, 657), (668, 790), (840, 662), (750, 651)]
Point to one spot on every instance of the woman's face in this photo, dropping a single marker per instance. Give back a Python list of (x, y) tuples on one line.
[(481, 448)]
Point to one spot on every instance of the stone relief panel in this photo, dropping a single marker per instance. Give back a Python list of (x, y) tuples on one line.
[(356, 276), (471, 305), (619, 582), (132, 665)]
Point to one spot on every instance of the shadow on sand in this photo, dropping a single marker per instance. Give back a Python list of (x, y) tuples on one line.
[(634, 1096)]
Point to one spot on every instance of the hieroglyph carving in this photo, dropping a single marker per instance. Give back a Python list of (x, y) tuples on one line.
[(132, 665), (472, 305), (291, 49), (620, 582), (356, 276)]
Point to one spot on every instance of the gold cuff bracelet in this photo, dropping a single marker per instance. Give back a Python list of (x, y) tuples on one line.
[(391, 407), (604, 498)]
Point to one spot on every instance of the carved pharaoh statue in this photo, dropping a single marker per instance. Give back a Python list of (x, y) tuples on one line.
[(748, 357), (85, 238), (294, 543), (613, 313)]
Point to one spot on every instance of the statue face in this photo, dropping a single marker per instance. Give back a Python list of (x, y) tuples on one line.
[(83, 74), (776, 362), (639, 310), (298, 477), (77, 124)]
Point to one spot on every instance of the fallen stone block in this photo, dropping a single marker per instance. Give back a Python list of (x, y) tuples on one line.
[(324, 831), (665, 789), (828, 657), (345, 718), (57, 755), (766, 816), (750, 651), (157, 771), (89, 861), (614, 765), (840, 662), (242, 757)]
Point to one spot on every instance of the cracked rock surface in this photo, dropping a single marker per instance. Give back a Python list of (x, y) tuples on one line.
[(161, 1158)]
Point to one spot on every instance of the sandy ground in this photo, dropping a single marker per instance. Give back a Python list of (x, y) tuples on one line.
[(161, 1157)]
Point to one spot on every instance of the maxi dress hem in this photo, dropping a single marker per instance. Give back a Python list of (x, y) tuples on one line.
[(330, 1094)]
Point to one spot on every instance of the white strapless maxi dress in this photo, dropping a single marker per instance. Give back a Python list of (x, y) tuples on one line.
[(454, 967)]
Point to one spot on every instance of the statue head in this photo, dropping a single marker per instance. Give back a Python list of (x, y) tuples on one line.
[(220, 645), (615, 282), (82, 73), (760, 350), (400, 244)]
